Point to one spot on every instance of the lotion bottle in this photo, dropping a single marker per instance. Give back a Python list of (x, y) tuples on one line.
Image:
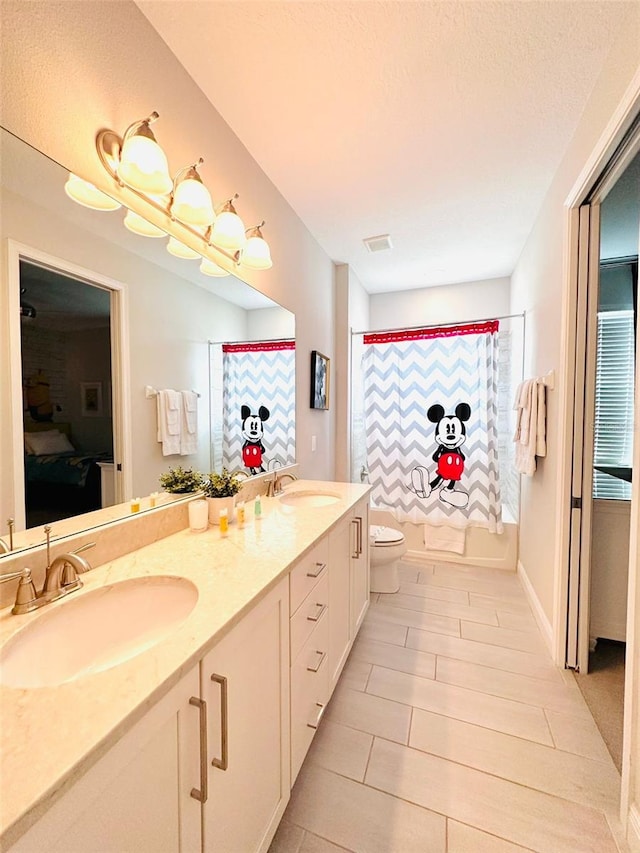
[(224, 523), (257, 508)]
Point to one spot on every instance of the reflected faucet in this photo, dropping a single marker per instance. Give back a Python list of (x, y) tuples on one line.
[(4, 548)]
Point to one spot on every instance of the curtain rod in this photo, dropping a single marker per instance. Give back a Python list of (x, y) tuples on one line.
[(437, 325)]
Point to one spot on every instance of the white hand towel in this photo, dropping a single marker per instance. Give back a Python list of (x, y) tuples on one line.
[(169, 410), (189, 433), (530, 434), (443, 537)]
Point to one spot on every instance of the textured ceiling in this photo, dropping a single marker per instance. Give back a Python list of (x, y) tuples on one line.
[(441, 123)]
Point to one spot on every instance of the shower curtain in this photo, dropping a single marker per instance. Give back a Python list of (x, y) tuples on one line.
[(255, 375), (430, 416)]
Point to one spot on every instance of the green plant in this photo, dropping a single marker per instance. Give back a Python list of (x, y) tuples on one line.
[(181, 480), (223, 485)]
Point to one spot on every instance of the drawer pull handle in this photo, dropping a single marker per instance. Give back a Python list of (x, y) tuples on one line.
[(320, 567), (319, 663), (223, 762), (315, 724), (317, 616), (357, 551), (201, 794)]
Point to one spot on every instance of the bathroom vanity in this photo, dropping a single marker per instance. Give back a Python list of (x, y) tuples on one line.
[(194, 744)]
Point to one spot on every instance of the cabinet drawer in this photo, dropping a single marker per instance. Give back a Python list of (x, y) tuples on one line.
[(306, 574), (309, 614), (309, 692)]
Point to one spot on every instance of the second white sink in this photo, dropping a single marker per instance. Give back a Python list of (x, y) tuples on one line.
[(96, 631), (306, 498)]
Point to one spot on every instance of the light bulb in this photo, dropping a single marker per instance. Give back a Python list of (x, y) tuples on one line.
[(87, 195), (228, 230), (256, 254), (191, 200), (143, 164), (209, 268), (179, 250), (140, 226)]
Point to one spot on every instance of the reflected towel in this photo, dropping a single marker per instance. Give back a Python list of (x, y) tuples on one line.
[(442, 537), (169, 411), (189, 432)]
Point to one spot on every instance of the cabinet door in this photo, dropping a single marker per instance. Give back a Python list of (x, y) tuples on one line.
[(137, 798), (359, 566), (245, 682), (340, 544)]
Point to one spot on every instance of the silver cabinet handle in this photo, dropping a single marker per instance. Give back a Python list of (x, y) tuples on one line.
[(319, 663), (223, 762), (316, 723), (202, 794), (318, 615), (359, 523), (355, 553), (320, 567)]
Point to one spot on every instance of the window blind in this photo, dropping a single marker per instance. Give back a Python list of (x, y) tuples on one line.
[(613, 441)]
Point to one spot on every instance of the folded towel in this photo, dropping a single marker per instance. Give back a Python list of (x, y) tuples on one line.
[(442, 537), (530, 432), (189, 432), (169, 411)]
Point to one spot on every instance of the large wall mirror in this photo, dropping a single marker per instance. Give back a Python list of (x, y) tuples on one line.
[(101, 318)]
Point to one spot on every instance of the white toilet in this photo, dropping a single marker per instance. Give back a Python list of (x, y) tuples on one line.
[(386, 547)]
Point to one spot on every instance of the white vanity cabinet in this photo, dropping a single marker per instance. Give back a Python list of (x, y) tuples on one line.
[(137, 797), (245, 684)]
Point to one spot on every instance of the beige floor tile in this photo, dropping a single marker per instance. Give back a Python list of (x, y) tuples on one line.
[(408, 573), (287, 839), (341, 749), (384, 632), (440, 593), (443, 608), (510, 685), (496, 588), (481, 709), (579, 735), (314, 844), (544, 768), (521, 640), (515, 602), (394, 657), (521, 815), (360, 818), (481, 572), (414, 619), (368, 713), (511, 660), (516, 621), (467, 839), (355, 673)]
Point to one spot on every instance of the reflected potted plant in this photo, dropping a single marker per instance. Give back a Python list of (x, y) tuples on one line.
[(181, 480), (221, 490)]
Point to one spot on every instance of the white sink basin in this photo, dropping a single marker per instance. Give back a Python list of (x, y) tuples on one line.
[(306, 498), (96, 631)]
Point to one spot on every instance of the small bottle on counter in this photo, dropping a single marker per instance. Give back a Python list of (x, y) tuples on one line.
[(135, 505), (224, 522), (257, 508), (153, 499), (240, 513)]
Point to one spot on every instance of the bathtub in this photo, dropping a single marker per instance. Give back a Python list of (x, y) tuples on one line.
[(495, 551)]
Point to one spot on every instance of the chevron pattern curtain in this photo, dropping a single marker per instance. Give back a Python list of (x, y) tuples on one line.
[(404, 375), (259, 374)]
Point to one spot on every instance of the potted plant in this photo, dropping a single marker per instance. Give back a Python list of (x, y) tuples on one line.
[(181, 480), (221, 490)]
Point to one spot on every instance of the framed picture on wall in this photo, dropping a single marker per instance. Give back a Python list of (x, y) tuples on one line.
[(319, 380), (91, 399)]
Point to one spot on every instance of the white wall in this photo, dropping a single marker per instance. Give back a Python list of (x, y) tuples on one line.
[(72, 68), (472, 300)]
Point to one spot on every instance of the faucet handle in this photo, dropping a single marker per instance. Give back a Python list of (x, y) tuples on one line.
[(26, 597), (84, 548)]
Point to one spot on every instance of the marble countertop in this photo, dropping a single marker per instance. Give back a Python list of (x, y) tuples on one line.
[(52, 735)]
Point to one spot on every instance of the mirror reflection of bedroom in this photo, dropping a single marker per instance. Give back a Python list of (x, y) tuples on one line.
[(66, 379)]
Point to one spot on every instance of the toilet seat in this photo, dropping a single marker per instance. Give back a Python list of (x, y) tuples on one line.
[(385, 537)]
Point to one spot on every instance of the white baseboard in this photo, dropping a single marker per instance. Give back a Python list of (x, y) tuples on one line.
[(540, 616), (633, 829)]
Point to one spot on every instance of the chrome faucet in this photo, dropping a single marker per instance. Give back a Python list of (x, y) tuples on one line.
[(274, 486)]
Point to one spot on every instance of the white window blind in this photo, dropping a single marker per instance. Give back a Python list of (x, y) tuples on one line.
[(614, 402)]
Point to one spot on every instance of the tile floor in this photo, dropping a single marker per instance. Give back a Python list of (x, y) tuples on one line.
[(451, 731)]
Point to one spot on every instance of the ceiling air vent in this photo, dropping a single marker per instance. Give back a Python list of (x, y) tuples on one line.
[(378, 244)]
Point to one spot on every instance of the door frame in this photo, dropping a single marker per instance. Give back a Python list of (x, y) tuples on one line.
[(121, 417), (609, 141)]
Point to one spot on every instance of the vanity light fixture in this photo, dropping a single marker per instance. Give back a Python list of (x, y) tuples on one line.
[(210, 268), (191, 202), (181, 208), (255, 254), (142, 163), (87, 195)]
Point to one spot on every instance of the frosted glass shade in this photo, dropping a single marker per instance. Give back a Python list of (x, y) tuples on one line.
[(179, 250), (256, 254), (87, 195), (228, 231), (209, 268), (138, 225), (143, 165), (192, 203)]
